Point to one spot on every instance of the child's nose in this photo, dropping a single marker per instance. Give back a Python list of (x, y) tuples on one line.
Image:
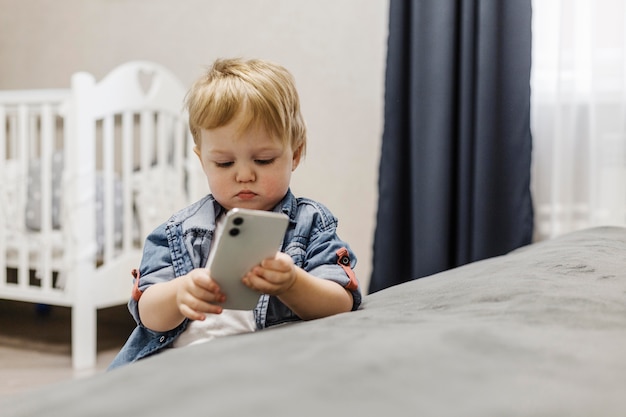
[(245, 174)]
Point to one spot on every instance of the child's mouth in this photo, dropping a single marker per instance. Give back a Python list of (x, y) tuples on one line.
[(246, 195)]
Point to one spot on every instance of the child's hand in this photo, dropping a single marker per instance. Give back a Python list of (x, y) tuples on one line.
[(195, 294), (274, 276)]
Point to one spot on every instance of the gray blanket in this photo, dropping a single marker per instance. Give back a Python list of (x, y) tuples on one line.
[(538, 332)]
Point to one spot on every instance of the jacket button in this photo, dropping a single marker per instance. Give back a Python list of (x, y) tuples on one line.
[(345, 260), (162, 339)]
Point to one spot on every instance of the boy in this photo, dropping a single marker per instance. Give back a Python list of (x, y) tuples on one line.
[(249, 136)]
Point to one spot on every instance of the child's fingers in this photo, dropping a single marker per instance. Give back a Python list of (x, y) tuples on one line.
[(202, 279), (206, 295), (200, 285), (191, 314), (199, 311), (267, 281), (281, 262), (198, 294)]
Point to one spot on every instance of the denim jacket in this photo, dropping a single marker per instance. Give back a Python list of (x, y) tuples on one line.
[(182, 244)]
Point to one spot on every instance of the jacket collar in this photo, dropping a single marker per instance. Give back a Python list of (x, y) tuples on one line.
[(288, 205)]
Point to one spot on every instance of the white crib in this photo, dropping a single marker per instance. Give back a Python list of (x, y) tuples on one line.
[(85, 174)]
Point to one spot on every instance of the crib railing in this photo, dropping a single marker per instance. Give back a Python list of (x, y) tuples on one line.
[(32, 129)]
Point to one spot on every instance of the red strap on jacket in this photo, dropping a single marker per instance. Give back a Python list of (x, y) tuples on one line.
[(136, 292), (343, 260)]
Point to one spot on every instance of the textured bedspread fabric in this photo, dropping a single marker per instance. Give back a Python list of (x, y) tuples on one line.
[(538, 332)]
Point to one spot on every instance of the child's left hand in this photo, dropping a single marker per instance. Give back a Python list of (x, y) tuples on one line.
[(273, 276)]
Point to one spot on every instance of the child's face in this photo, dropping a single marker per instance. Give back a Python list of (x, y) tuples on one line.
[(247, 170)]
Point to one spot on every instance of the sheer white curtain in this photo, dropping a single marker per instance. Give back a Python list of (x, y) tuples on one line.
[(578, 114)]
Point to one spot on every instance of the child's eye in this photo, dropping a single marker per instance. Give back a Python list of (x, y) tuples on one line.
[(224, 164), (264, 161)]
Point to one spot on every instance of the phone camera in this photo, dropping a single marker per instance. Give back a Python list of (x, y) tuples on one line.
[(234, 231), (237, 221)]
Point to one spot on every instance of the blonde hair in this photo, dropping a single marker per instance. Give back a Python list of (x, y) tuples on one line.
[(263, 90)]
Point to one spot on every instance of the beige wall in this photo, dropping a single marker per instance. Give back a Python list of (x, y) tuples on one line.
[(335, 49)]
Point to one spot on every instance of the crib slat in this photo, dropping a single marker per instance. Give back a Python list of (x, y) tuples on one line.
[(161, 137), (127, 171), (3, 135), (4, 204), (34, 116), (147, 139), (12, 140), (177, 146), (46, 247), (161, 160), (177, 156), (108, 193), (23, 272)]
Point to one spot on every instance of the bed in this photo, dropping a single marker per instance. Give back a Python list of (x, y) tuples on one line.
[(86, 173), (540, 331)]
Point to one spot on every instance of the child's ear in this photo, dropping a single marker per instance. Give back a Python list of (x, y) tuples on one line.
[(297, 155)]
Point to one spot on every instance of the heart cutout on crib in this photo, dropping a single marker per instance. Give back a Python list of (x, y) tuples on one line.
[(145, 78)]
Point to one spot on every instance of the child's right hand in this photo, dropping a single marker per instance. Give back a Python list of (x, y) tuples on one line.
[(196, 294)]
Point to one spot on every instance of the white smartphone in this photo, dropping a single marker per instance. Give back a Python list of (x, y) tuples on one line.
[(246, 238)]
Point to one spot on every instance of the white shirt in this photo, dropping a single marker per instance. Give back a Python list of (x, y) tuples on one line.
[(228, 323)]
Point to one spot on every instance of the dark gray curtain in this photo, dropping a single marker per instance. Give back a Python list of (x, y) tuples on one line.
[(455, 162)]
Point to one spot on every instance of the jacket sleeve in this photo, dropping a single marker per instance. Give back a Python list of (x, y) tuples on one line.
[(317, 249), (331, 258), (156, 266)]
